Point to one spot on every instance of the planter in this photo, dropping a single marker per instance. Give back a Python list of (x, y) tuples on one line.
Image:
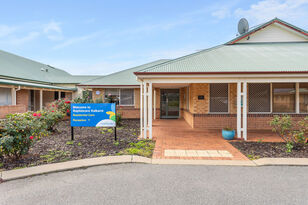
[(228, 134)]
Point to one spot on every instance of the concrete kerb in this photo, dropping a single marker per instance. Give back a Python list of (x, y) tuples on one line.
[(85, 163)]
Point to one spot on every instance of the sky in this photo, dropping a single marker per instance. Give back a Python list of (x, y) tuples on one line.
[(102, 37)]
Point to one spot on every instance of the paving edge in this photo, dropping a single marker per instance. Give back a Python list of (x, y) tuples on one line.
[(90, 162)]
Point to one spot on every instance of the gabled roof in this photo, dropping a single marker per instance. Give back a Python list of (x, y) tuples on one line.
[(17, 67), (122, 78), (237, 58), (262, 26)]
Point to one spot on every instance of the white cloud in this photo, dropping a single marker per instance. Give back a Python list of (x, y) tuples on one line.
[(53, 31), (222, 13), (6, 30), (268, 9), (21, 40), (74, 40)]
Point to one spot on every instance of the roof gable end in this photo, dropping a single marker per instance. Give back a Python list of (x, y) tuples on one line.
[(275, 30)]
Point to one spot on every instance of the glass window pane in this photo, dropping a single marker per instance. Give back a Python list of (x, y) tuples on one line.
[(303, 97), (219, 97), (5, 96), (284, 97), (127, 97), (259, 97), (112, 95)]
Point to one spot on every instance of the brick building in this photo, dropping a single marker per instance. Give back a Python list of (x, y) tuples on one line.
[(29, 85), (240, 84)]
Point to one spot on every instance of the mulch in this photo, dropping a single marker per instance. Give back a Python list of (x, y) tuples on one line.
[(270, 149), (89, 142)]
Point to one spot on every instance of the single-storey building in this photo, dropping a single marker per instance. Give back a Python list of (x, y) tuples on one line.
[(29, 85), (240, 84)]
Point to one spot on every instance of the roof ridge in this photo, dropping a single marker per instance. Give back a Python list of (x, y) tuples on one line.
[(182, 58)]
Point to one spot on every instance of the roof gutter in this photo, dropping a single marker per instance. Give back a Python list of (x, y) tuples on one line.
[(215, 73)]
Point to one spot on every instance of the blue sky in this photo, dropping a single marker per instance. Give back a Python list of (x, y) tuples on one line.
[(101, 37)]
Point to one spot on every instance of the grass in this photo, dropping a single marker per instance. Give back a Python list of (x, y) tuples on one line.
[(70, 142), (56, 154), (253, 157), (142, 148), (99, 154)]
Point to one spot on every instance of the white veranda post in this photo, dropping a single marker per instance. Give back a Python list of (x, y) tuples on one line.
[(239, 108), (141, 107), (144, 110), (41, 99), (150, 108), (242, 114)]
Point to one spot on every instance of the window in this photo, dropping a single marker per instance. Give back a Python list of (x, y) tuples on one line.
[(303, 97), (127, 97), (56, 95), (87, 94), (5, 96), (284, 97), (62, 95), (259, 95), (119, 96), (219, 97), (112, 95)]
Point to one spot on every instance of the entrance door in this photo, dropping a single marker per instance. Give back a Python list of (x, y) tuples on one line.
[(169, 103)]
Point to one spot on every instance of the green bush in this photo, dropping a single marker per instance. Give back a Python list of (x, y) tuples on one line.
[(21, 129), (292, 133)]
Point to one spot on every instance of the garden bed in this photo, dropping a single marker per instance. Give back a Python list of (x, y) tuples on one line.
[(89, 142), (255, 150)]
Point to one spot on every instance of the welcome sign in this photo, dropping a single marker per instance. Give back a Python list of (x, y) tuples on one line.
[(93, 115)]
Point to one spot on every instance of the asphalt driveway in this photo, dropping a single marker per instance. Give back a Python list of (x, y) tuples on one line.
[(162, 184)]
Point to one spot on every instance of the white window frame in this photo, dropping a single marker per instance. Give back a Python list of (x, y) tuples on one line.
[(11, 92), (271, 100), (209, 96), (120, 102)]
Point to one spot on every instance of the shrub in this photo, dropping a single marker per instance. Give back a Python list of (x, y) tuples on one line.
[(292, 133), (85, 98), (62, 105), (20, 130)]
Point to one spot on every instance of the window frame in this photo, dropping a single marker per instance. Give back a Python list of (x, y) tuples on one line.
[(209, 98), (271, 100), (120, 102), (119, 95), (11, 96), (295, 100)]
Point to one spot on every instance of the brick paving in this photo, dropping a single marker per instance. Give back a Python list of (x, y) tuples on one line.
[(178, 135)]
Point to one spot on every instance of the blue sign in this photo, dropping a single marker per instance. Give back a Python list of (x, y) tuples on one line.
[(93, 114)]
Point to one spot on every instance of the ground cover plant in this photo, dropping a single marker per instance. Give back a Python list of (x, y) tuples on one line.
[(294, 135)]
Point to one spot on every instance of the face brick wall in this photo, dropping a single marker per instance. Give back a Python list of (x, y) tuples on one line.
[(22, 97), (4, 110), (196, 105)]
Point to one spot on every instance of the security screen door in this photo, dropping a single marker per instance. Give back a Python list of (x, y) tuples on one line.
[(169, 103)]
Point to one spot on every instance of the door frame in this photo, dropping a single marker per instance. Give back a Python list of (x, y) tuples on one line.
[(161, 107)]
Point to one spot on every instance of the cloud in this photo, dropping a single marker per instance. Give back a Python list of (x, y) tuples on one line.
[(21, 40), (222, 13), (53, 30), (6, 30), (75, 40), (268, 9)]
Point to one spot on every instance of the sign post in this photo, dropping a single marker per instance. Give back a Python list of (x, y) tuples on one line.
[(93, 115)]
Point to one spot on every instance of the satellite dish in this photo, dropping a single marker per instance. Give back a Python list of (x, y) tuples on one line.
[(242, 26)]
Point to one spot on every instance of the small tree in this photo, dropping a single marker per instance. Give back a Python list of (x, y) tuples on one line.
[(292, 133)]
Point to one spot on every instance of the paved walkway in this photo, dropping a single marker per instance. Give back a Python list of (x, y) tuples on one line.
[(175, 139)]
